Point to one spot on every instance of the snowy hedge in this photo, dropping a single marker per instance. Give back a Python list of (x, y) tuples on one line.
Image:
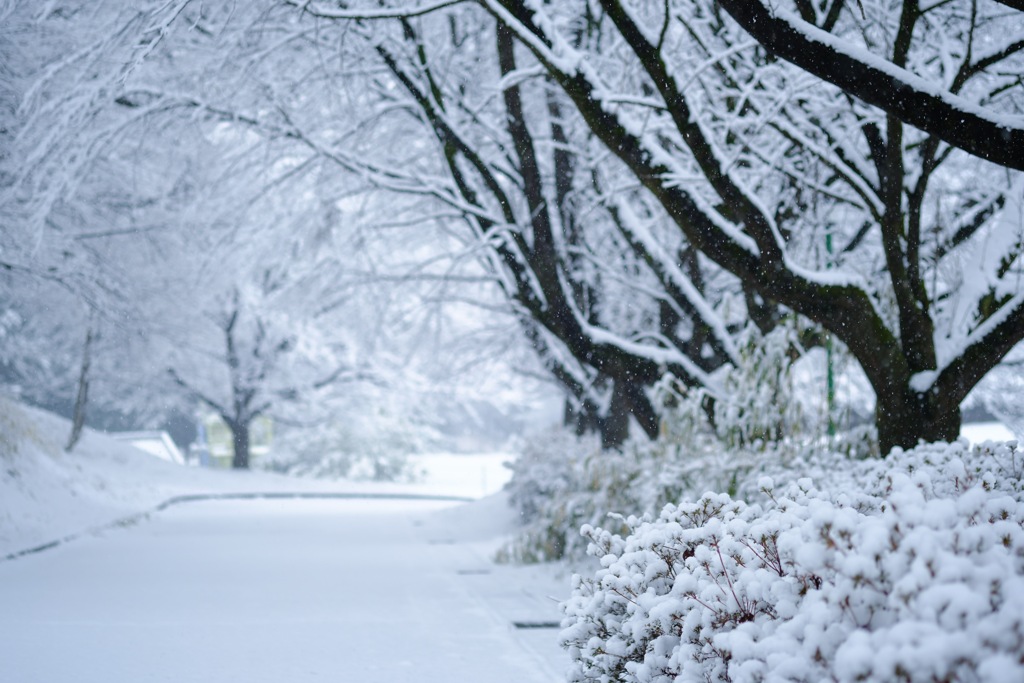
[(767, 424), (560, 482), (904, 569)]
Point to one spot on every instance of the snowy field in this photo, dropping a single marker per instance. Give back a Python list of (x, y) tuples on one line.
[(258, 590)]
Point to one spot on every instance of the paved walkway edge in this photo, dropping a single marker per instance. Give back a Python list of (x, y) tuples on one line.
[(130, 520)]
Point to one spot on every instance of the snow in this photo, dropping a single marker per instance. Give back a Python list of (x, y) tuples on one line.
[(980, 432), (909, 78), (903, 568), (48, 494), (923, 381), (295, 590), (391, 587), (264, 589)]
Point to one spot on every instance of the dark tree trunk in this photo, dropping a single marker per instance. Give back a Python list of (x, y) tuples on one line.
[(240, 444), (904, 417), (582, 417), (82, 398), (530, 255), (628, 401), (615, 425)]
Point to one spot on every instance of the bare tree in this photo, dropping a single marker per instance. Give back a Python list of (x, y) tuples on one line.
[(518, 172), (920, 372), (643, 182)]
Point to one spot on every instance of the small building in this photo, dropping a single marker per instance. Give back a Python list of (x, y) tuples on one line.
[(215, 443), (154, 442)]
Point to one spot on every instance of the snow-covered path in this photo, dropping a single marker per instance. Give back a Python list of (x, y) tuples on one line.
[(283, 591)]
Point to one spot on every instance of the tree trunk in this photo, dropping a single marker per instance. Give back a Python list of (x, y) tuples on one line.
[(82, 398), (905, 417), (628, 401), (240, 444), (583, 417), (615, 425)]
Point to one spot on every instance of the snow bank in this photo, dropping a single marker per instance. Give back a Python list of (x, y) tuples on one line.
[(47, 494), (909, 568)]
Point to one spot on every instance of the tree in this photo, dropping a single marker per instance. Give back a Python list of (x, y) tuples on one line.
[(920, 355), (73, 252), (596, 372), (63, 353), (257, 357), (175, 128), (72, 286), (259, 337), (520, 172), (643, 183), (805, 38)]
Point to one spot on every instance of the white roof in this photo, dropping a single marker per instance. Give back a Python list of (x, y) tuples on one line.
[(154, 442)]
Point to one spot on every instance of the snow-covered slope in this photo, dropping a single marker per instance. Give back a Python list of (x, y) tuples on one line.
[(47, 494)]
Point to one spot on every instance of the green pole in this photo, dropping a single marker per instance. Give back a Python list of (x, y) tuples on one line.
[(830, 380)]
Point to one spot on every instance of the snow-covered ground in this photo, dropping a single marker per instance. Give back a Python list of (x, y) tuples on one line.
[(262, 589), (296, 590), (47, 494), (257, 590), (980, 432)]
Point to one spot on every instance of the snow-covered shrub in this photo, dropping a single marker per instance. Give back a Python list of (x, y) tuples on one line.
[(907, 569), (756, 404), (543, 471), (759, 429), (559, 483), (346, 452)]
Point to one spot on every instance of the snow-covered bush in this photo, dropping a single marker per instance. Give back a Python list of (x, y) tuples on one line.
[(757, 405), (544, 471), (357, 451), (907, 569), (561, 482), (760, 428)]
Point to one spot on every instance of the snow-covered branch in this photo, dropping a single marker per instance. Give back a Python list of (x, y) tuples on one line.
[(995, 137)]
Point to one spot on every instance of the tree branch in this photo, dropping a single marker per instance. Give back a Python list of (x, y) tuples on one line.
[(995, 338), (895, 90), (322, 12), (195, 393)]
